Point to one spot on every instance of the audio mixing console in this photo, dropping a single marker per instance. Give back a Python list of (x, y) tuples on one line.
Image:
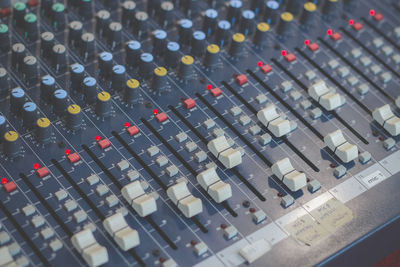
[(196, 133)]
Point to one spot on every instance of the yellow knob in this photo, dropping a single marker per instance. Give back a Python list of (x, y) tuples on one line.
[(213, 48), (103, 96), (238, 37), (43, 122), (287, 16), (263, 27), (160, 71), (74, 109), (11, 136), (132, 83), (187, 60), (310, 7)]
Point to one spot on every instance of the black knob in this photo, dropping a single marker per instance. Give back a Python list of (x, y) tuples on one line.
[(294, 6), (132, 92), (30, 69), (211, 57), (47, 87), (153, 6), (59, 58), (114, 35), (102, 21), (58, 16), (308, 14), (186, 68), (111, 4), (87, 46), (89, 89), (11, 144), (45, 8), (19, 11), (118, 77), (103, 104), (31, 27), (43, 130), (4, 82), (140, 26), (18, 53), (271, 13), (329, 9), (17, 100), (284, 27), (29, 114), (247, 22), (146, 65), (3, 127), (260, 38), (236, 47), (4, 38), (105, 60), (185, 31), (222, 35), (74, 117), (210, 21), (132, 50), (234, 9), (86, 9), (75, 29), (165, 13), (198, 43), (159, 41), (258, 6), (46, 43), (128, 13), (172, 54), (60, 102), (159, 82), (77, 72)]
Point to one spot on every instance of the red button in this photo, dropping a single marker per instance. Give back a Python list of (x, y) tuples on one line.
[(42, 172), (313, 46), (357, 26), (216, 91), (335, 36), (266, 68), (74, 157), (132, 130), (5, 12), (103, 144), (378, 16), (189, 103), (10, 186), (241, 79), (32, 3), (161, 117), (290, 57)]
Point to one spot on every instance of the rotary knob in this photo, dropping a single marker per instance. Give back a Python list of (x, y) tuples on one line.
[(30, 69), (198, 43), (159, 41), (132, 51), (75, 29), (60, 102), (132, 92), (284, 27), (17, 100), (261, 36), (103, 104), (29, 114), (19, 11), (186, 68), (89, 89), (128, 13), (271, 13), (210, 21), (236, 48), (159, 83), (102, 21), (11, 144), (46, 43), (172, 54), (308, 14), (4, 82), (211, 57), (43, 130), (140, 24), (114, 35), (105, 60), (118, 77), (185, 31), (222, 35), (329, 9), (77, 72), (58, 17), (86, 9), (74, 117), (47, 87), (59, 58), (87, 46), (4, 38), (146, 65), (31, 27), (247, 22), (234, 9), (18, 53)]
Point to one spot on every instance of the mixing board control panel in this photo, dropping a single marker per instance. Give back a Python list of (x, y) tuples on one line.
[(196, 132)]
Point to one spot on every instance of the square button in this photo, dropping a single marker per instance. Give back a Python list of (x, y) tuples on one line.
[(189, 103), (74, 157), (215, 91), (42, 172), (357, 26), (313, 46), (103, 144), (241, 79), (336, 36), (161, 117), (10, 186), (378, 17), (266, 68), (132, 130), (290, 57)]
